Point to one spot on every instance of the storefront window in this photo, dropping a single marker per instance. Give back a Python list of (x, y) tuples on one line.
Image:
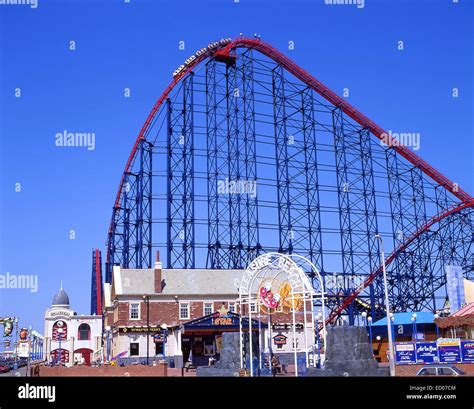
[(184, 311), (232, 307), (159, 348), (134, 349)]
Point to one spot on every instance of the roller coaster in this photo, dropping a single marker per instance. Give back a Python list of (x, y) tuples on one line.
[(245, 153)]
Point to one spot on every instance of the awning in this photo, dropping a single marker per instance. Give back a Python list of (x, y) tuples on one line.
[(219, 321)]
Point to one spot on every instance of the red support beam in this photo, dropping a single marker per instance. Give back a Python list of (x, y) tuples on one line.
[(435, 219)]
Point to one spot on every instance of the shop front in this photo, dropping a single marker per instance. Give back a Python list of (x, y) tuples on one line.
[(201, 338)]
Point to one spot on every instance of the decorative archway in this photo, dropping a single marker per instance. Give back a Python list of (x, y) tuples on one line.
[(275, 282)]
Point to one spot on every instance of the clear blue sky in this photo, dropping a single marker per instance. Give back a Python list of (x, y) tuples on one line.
[(135, 45)]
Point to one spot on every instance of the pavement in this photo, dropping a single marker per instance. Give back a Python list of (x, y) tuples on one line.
[(18, 372)]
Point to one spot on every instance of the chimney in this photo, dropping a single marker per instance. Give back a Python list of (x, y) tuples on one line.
[(157, 272)]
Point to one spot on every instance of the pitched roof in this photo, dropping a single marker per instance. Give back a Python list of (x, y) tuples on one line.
[(465, 311), (177, 281), (464, 316)]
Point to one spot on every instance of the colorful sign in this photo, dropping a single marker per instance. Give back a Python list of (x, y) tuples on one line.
[(279, 339), (290, 301), (269, 299), (455, 287), (7, 325), (64, 353), (139, 329), (467, 351), (122, 354), (418, 336), (59, 314), (23, 333), (59, 331), (23, 349), (405, 353), (426, 352), (223, 321), (449, 350)]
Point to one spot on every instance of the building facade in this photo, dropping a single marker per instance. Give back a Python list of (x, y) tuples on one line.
[(180, 314), (69, 337)]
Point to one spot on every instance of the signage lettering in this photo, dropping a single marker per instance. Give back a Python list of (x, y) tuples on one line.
[(223, 321)]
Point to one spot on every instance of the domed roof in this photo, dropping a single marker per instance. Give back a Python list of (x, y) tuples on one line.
[(61, 298)]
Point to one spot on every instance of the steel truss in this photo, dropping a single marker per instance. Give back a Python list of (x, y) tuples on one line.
[(324, 184)]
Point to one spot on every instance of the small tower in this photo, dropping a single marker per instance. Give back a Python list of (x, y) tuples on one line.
[(96, 282)]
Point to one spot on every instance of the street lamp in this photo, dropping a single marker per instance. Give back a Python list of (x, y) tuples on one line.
[(387, 306), (30, 342), (370, 331), (415, 330), (415, 334), (436, 316), (146, 298), (16, 344), (318, 338), (33, 344), (392, 322), (364, 316)]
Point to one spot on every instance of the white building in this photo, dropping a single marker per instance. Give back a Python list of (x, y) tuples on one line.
[(70, 337)]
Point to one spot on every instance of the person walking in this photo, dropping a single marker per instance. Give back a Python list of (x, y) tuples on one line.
[(275, 365)]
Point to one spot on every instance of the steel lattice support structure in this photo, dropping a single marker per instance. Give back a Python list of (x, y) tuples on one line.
[(246, 153), (130, 240), (180, 210), (313, 208)]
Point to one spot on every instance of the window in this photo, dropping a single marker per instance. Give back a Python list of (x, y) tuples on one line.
[(184, 311), (428, 372), (253, 307), (59, 331), (84, 332), (232, 307), (446, 371), (159, 348), (134, 349), (208, 308), (134, 311)]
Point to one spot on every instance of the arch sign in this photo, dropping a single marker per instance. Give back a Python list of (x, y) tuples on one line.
[(277, 283)]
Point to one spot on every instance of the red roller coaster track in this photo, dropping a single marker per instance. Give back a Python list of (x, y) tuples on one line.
[(435, 219), (266, 49), (320, 88)]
